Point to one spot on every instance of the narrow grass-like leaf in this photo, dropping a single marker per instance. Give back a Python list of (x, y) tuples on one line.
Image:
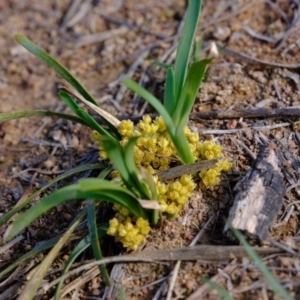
[(106, 191), (181, 143), (38, 113), (161, 65), (92, 223), (189, 93), (40, 248), (111, 189), (111, 122), (55, 65), (220, 290), (105, 172), (80, 247), (82, 114), (148, 179), (67, 174), (122, 293), (186, 45), (153, 101), (140, 185), (274, 283), (115, 153), (30, 290), (169, 94), (198, 48)]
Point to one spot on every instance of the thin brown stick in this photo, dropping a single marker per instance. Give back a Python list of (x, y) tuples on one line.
[(254, 60), (247, 114), (201, 252)]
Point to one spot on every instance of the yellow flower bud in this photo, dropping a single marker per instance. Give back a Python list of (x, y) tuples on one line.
[(96, 135), (112, 231), (173, 195), (126, 128), (147, 119), (159, 121), (186, 179), (226, 165), (182, 200), (122, 231)]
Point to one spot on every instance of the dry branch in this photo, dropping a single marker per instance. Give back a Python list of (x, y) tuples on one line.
[(202, 252), (249, 113)]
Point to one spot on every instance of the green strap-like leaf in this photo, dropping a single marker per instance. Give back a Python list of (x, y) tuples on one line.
[(182, 146), (67, 174), (91, 211), (38, 113), (274, 283), (115, 153), (107, 191), (220, 290), (185, 46), (169, 94), (80, 247), (198, 48), (82, 114), (30, 290), (40, 248), (189, 93), (140, 185), (55, 65)]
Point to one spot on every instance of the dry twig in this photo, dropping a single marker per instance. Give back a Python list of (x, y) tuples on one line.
[(202, 252)]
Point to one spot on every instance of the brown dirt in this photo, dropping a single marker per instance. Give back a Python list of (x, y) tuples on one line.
[(47, 146)]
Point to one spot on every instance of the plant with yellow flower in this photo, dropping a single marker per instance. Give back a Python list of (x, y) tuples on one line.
[(138, 152)]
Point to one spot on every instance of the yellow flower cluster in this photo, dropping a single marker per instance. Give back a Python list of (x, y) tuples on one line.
[(128, 229), (172, 196), (154, 151), (211, 177)]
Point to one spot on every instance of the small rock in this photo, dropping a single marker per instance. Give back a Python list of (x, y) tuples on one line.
[(222, 33)]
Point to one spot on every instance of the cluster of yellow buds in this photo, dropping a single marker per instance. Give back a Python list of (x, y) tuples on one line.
[(173, 195), (155, 151), (211, 177), (128, 229)]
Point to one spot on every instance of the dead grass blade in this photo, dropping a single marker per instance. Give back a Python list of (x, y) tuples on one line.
[(32, 286)]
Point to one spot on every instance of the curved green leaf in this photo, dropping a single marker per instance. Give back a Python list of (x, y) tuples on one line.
[(182, 146), (67, 174), (169, 94), (185, 46), (82, 114), (189, 93), (219, 289), (38, 113), (55, 65), (80, 247), (91, 211), (30, 290), (40, 248), (139, 184), (115, 153), (274, 283), (107, 191)]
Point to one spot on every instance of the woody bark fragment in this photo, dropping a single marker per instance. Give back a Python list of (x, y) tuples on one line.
[(259, 196)]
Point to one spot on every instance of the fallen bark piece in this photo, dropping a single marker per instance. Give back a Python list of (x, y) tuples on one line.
[(259, 198)]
